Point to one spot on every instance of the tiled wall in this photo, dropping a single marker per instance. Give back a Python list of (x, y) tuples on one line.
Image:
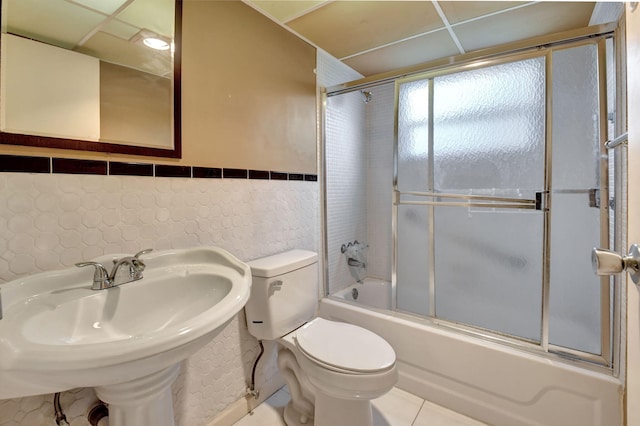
[(345, 162), (331, 72), (346, 181), (359, 163), (52, 220)]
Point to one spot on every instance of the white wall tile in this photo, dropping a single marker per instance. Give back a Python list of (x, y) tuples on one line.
[(346, 183), (331, 72), (53, 221), (359, 163)]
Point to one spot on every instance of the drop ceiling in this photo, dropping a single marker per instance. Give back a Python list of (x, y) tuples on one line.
[(374, 37), (106, 29)]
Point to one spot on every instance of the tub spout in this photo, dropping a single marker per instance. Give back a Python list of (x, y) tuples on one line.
[(355, 262)]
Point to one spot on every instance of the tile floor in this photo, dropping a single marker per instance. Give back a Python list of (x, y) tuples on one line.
[(397, 408)]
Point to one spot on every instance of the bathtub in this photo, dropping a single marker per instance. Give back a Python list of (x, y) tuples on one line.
[(488, 381), (370, 292)]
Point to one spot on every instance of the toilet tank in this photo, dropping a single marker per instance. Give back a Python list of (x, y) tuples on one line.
[(284, 293)]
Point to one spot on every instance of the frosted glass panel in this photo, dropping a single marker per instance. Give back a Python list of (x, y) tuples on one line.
[(576, 149), (481, 265), (489, 138), (489, 129), (413, 136), (574, 303), (413, 259), (488, 268), (575, 226)]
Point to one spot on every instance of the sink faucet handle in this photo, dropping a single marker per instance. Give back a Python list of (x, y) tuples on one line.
[(145, 251), (100, 275), (138, 263)]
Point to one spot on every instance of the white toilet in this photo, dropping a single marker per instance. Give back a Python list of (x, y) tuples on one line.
[(332, 369)]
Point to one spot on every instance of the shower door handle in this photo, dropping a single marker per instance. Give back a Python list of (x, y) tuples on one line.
[(607, 262)]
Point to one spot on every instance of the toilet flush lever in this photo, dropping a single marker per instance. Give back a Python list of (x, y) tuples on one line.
[(607, 262), (276, 284)]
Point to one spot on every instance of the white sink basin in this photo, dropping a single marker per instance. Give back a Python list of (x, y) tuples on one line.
[(57, 334), (78, 318)]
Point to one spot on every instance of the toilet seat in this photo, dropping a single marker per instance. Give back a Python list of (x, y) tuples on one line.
[(344, 347)]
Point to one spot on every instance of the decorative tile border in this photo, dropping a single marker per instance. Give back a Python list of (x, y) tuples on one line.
[(130, 169), (234, 173), (296, 176), (207, 172), (15, 163), (163, 170), (78, 167), (279, 175), (258, 174), (28, 164)]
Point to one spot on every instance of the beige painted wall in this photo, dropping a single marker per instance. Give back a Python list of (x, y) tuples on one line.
[(249, 90), (146, 114), (248, 94)]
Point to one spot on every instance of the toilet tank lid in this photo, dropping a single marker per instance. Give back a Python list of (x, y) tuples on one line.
[(281, 263)]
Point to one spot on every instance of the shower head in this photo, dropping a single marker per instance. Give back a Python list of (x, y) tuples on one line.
[(367, 96)]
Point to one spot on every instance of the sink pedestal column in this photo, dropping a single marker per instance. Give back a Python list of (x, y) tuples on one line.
[(146, 401)]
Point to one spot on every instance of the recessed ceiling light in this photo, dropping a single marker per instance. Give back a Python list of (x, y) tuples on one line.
[(156, 43), (151, 39)]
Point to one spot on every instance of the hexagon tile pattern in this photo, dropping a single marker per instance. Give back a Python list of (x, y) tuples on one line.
[(53, 221)]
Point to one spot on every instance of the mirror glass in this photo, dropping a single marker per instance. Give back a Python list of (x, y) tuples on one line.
[(99, 75)]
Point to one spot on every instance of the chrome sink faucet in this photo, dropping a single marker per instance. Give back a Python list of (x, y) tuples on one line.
[(124, 270)]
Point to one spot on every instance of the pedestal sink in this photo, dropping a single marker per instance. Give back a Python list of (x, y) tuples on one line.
[(126, 341)]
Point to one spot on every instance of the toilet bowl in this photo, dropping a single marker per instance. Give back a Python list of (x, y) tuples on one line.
[(332, 369)]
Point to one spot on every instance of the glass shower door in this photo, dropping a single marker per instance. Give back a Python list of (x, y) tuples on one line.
[(484, 141), (414, 221), (501, 191), (489, 139), (579, 203)]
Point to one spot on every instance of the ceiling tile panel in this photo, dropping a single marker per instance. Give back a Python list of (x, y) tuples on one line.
[(343, 28), (415, 51), (518, 24), (286, 10), (120, 29), (104, 6), (154, 15), (458, 11), (117, 51), (59, 23)]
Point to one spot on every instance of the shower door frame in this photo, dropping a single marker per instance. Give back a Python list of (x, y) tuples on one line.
[(606, 356), (477, 201), (610, 359)]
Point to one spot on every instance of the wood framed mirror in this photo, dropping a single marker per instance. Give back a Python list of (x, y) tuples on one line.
[(79, 74)]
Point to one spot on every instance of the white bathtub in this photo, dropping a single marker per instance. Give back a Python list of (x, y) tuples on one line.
[(488, 381), (370, 292)]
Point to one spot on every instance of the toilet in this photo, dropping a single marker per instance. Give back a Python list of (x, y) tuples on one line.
[(332, 369)]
